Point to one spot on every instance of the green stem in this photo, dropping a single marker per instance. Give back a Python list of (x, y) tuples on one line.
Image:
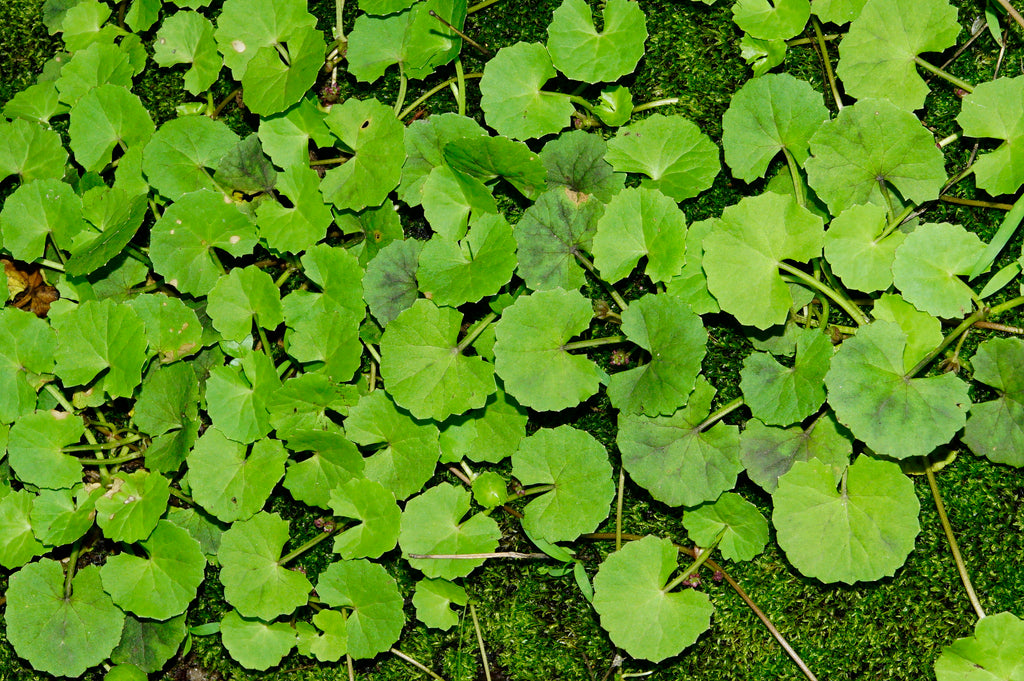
[(403, 85), (284, 277), (481, 5), (480, 642), (100, 447), (618, 508), (798, 183), (720, 414), (978, 316), (948, 529), (216, 261), (823, 48), (583, 260), (178, 494), (882, 187), (575, 99), (419, 665), (997, 310), (433, 91), (475, 332), (538, 489), (50, 265), (224, 102), (945, 75), (307, 546), (460, 100), (839, 299), (894, 224), (373, 351), (339, 28), (285, 57), (594, 342), (69, 574), (655, 104), (114, 461), (695, 565), (329, 161), (264, 343)]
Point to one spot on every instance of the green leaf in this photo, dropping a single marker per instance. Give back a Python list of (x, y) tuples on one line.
[(84, 22), (837, 11), (923, 331), (302, 403), (432, 524), (996, 428), (754, 237), (168, 400), (409, 451), (58, 633), (451, 199), (768, 452), (549, 236), (378, 226), (692, 284), (240, 297), (371, 595), (489, 434), (615, 107), (181, 153), (333, 642), (36, 210), (230, 480), (286, 136), (27, 346), (994, 652), (107, 117), (254, 580), (636, 611), (490, 158), (60, 517), (278, 76), (131, 508), (246, 169), (425, 140), (511, 96), (172, 328), (37, 103), (453, 273), (994, 109), (425, 370), (771, 19), (529, 351), (433, 599), (679, 159), (183, 240), (862, 531), (30, 151), (187, 38), (390, 280), (762, 55), (334, 461), (382, 7), (202, 527), (746, 530), (240, 37), (575, 164), (860, 250), (376, 138), (582, 52), (18, 545), (147, 644), (255, 644), (366, 501), (162, 584), (927, 266), (576, 466), (640, 222), (876, 57), (767, 116), (118, 214), (895, 415), (237, 397), (98, 64), (674, 459), (675, 338), (782, 395), (34, 449), (868, 144)]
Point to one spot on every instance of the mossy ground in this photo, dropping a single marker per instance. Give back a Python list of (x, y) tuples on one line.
[(537, 625)]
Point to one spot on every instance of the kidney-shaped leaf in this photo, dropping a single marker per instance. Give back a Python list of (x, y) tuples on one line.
[(996, 109), (640, 222), (375, 619), (581, 52), (746, 530), (511, 94), (927, 265), (860, 532), (783, 395), (549, 236), (995, 652), (996, 428), (636, 611)]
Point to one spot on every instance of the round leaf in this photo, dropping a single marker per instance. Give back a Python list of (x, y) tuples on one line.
[(256, 644), (927, 266), (178, 157), (465, 272), (369, 502), (994, 109), (746, 530), (994, 652), (433, 599), (857, 250), (862, 531), (996, 428), (375, 136), (229, 481), (549, 236), (106, 117), (582, 52), (375, 617), (511, 95), (640, 222), (783, 395)]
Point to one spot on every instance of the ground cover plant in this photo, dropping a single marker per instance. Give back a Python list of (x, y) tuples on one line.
[(297, 357)]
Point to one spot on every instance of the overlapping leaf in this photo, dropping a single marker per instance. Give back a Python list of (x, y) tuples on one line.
[(230, 480), (746, 530), (550, 235), (639, 222), (372, 133), (780, 394), (995, 109), (927, 265), (995, 428), (453, 273), (511, 95)]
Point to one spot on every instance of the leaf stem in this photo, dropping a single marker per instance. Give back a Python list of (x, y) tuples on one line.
[(842, 301), (945, 75), (575, 99), (618, 508), (720, 414), (69, 574), (460, 99), (974, 202), (224, 102), (999, 327), (594, 342), (583, 260), (415, 663), (700, 559), (373, 351), (433, 91), (475, 332), (106, 445), (480, 642), (308, 545), (516, 555), (656, 103), (480, 48), (264, 343), (339, 29), (823, 51), (948, 529), (403, 86), (114, 461), (481, 5), (978, 316), (538, 489), (1003, 307), (798, 183)]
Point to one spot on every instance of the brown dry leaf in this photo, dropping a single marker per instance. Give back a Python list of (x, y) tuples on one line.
[(27, 288)]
